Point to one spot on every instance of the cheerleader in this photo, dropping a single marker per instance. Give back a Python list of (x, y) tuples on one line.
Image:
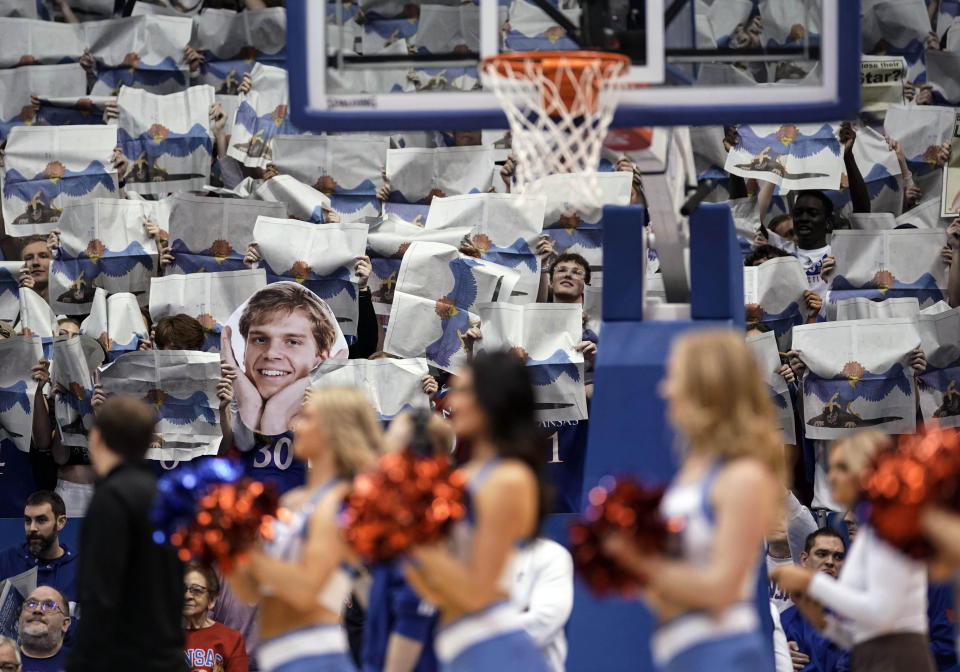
[(726, 496), (479, 631), (881, 593), (301, 578)]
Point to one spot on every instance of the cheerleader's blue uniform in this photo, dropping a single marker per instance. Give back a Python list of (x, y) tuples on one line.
[(492, 639), (729, 642), (316, 648)]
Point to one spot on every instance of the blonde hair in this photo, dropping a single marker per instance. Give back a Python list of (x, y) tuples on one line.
[(722, 403), (861, 447), (351, 426)]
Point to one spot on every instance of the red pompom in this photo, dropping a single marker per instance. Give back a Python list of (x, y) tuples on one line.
[(622, 505), (230, 518), (923, 470), (407, 500)]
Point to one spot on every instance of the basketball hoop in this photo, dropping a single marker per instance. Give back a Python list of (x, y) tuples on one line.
[(559, 105)]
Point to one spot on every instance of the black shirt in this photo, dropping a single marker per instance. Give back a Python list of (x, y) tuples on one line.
[(131, 588)]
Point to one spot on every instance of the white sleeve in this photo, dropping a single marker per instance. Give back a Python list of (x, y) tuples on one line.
[(551, 599), (800, 524), (781, 650), (838, 632), (243, 437), (868, 608)]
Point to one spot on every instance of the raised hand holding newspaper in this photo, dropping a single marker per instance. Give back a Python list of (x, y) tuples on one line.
[(212, 234), (209, 297), (545, 337), (18, 388), (858, 376), (888, 264), (766, 351), (17, 85), (418, 175), (76, 359), (346, 169), (574, 227), (387, 242), (939, 385), (166, 139), (435, 301), (47, 168), (145, 52), (321, 258), (504, 230), (262, 114), (103, 243), (774, 295), (182, 388), (115, 323)]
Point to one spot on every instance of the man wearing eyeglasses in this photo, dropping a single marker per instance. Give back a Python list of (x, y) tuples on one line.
[(44, 621), (9, 655), (568, 276)]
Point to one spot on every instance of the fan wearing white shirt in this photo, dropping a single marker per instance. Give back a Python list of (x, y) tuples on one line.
[(543, 591), (880, 597), (812, 220), (813, 216)]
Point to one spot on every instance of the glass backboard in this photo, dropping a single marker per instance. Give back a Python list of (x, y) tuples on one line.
[(399, 64)]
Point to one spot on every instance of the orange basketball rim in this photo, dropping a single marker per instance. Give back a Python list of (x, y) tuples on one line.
[(569, 81)]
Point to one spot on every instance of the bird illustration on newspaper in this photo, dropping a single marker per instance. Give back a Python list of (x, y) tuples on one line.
[(944, 382), (39, 191), (452, 311), (854, 383), (147, 150), (570, 230), (511, 256), (885, 285), (181, 411), (12, 397), (781, 322), (769, 151), (98, 259), (262, 128)]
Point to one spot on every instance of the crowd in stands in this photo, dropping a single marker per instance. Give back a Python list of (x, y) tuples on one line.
[(50, 481)]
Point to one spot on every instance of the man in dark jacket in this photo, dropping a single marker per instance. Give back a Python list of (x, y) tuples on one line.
[(131, 588)]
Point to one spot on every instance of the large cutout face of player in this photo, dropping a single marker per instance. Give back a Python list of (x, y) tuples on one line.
[(273, 341), (280, 351)]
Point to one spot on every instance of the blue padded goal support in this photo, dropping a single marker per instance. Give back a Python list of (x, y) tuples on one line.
[(629, 432)]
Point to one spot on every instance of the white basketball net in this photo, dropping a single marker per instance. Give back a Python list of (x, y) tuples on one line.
[(549, 135)]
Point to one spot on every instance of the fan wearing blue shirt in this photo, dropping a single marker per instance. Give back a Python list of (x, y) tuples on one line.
[(44, 517), (398, 631), (824, 551), (44, 621), (399, 626)]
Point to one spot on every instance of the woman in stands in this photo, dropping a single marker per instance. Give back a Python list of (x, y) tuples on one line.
[(209, 645), (302, 578), (727, 494), (879, 601), (479, 631)]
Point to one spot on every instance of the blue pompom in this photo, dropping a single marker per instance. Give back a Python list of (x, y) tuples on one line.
[(179, 491)]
